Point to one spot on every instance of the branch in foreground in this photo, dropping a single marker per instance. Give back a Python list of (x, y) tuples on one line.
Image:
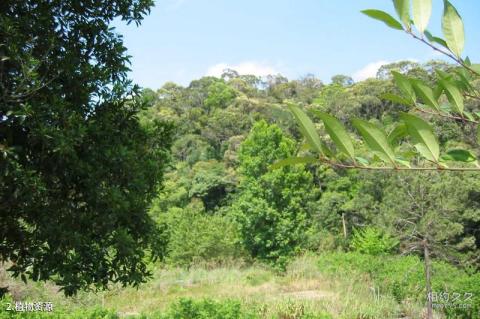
[(401, 168)]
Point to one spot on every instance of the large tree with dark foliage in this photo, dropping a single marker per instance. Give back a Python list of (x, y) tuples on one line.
[(77, 170)]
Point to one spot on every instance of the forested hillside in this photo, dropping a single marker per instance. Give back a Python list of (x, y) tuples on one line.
[(229, 132)]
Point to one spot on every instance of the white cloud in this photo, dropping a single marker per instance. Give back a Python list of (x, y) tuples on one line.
[(248, 67), (368, 71)]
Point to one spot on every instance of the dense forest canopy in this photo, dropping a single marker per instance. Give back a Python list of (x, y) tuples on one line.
[(230, 130)]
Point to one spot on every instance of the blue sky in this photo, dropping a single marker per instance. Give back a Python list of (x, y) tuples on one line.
[(182, 40)]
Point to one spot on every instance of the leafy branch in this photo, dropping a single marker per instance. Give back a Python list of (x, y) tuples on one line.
[(420, 96)]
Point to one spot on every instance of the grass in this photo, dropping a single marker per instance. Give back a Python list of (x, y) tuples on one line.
[(303, 288)]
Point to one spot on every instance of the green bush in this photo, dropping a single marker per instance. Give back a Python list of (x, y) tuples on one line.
[(403, 278), (372, 241), (206, 309), (187, 308), (195, 236)]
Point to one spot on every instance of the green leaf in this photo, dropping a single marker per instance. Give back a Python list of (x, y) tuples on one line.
[(395, 99), (397, 133), (404, 86), (465, 79), (468, 115), (384, 17), (307, 128), (454, 96), (403, 10), (467, 61), (338, 134), (293, 161), (362, 160), (437, 91), (452, 27), (422, 136), (376, 140), (403, 161), (422, 10), (434, 39), (459, 155), (425, 93), (443, 75), (326, 150)]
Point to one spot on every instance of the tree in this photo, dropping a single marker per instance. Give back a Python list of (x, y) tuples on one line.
[(341, 208), (272, 207), (385, 71), (433, 215), (219, 95), (211, 182), (77, 169), (343, 80)]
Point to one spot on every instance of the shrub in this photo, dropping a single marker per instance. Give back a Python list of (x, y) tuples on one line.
[(206, 309), (403, 278), (194, 235), (372, 241)]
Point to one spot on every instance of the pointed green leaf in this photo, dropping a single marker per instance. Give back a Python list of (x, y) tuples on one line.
[(459, 156), (396, 134), (467, 61), (422, 136), (434, 39), (384, 17), (425, 93), (443, 75), (326, 150), (403, 161), (338, 134), (376, 140), (437, 91), (293, 161), (468, 115), (404, 85), (403, 10), (362, 160), (452, 27), (422, 10), (307, 128), (454, 96), (395, 99), (465, 79)]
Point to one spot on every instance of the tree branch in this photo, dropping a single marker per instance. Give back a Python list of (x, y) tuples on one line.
[(448, 54)]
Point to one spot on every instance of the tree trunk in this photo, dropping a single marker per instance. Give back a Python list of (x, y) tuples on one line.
[(428, 279), (344, 226)]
